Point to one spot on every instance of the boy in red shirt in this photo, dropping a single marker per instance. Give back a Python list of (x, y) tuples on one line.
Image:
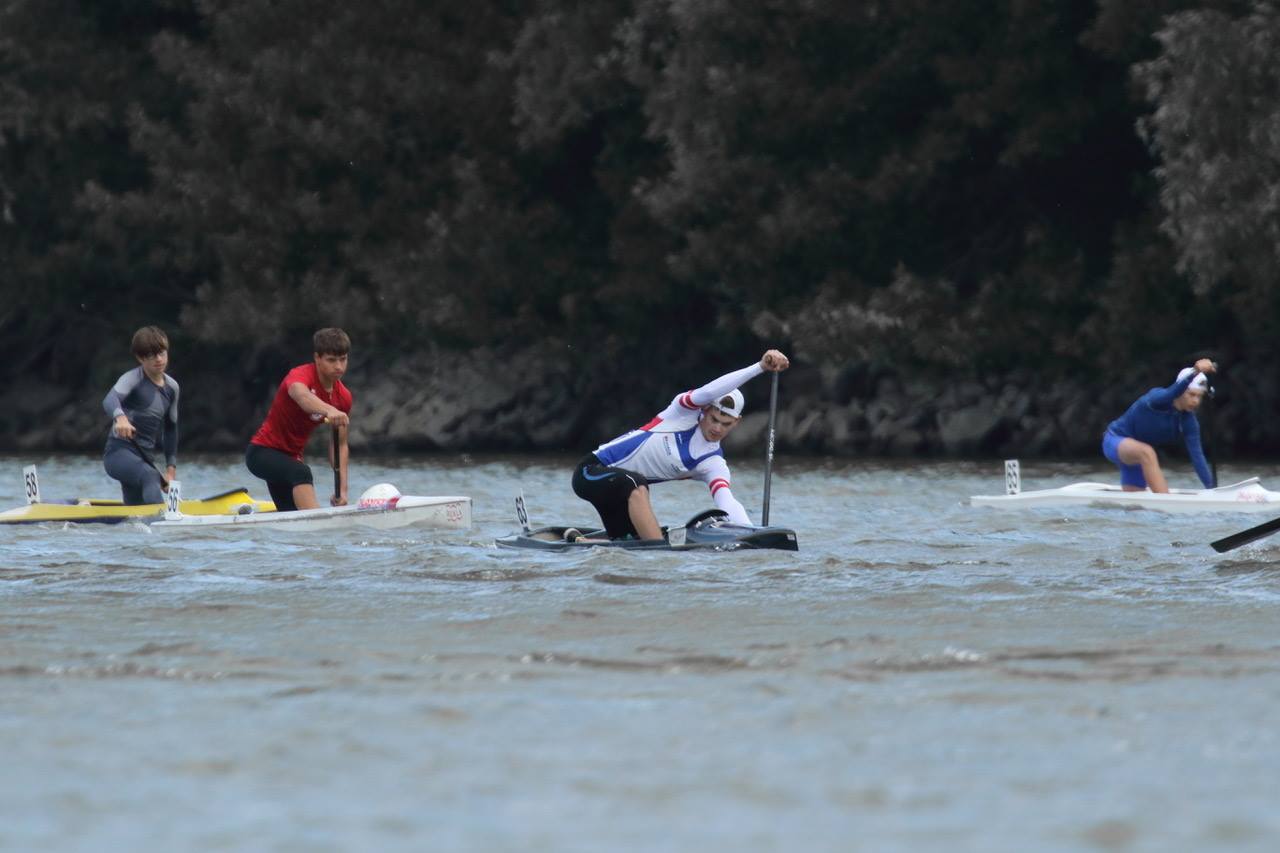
[(308, 395)]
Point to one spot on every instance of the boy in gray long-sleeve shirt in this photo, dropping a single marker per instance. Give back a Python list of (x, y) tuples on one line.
[(143, 406)]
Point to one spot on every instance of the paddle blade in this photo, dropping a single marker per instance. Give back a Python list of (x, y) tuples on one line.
[(1244, 537)]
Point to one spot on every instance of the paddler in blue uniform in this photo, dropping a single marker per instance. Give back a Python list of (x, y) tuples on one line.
[(1162, 416)]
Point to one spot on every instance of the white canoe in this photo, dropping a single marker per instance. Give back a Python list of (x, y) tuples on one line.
[(440, 513), (1245, 496)]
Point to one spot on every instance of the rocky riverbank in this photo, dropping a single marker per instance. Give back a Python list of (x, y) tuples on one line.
[(536, 400)]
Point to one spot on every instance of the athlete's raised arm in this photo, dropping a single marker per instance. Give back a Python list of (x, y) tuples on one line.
[(772, 360)]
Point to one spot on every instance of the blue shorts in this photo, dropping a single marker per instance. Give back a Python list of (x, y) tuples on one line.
[(1130, 475)]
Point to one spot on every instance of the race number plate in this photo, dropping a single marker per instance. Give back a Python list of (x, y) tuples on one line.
[(521, 515), (172, 500), (1012, 477), (31, 484)]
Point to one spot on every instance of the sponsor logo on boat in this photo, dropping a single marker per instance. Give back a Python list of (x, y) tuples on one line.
[(379, 503)]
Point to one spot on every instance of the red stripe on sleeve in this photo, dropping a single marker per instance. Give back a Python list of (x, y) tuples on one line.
[(717, 484), (686, 400), (651, 424)]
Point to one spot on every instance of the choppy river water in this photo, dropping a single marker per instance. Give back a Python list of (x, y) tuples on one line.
[(922, 675)]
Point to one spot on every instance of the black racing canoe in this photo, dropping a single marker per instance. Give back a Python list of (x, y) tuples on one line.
[(708, 530)]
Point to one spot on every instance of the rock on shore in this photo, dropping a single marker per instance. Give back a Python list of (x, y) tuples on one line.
[(535, 399)]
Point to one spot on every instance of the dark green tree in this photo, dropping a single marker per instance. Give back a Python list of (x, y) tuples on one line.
[(69, 71), (335, 163), (899, 163), (1216, 129), (1215, 126)]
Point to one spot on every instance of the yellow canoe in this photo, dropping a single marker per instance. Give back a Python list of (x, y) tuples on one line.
[(88, 510)]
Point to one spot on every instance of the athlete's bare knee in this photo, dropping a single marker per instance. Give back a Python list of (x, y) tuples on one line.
[(304, 496), (641, 513), (1137, 453)]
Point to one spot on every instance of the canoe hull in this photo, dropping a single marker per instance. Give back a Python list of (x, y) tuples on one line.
[(1247, 496), (437, 513), (707, 534), (94, 511)]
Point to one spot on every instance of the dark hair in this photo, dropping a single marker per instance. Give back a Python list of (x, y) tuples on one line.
[(331, 341), (148, 341)]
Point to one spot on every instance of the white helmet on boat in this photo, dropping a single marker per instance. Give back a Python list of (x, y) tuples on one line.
[(1200, 383), (379, 495), (730, 404)]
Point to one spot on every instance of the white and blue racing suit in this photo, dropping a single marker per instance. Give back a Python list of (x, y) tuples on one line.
[(669, 447)]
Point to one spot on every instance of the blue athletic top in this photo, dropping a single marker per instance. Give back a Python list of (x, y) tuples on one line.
[(1153, 419)]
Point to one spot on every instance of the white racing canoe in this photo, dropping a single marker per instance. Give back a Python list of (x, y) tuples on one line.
[(1242, 497), (451, 512)]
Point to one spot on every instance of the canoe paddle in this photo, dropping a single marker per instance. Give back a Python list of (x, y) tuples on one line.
[(768, 453), (337, 466), (1208, 423), (146, 457), (1244, 537)]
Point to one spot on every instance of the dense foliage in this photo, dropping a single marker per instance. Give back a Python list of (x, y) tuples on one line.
[(948, 186)]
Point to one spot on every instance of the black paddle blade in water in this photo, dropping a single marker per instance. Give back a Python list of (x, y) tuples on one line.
[(1244, 537), (337, 465)]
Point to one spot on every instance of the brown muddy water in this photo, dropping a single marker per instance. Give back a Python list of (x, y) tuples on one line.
[(922, 675)]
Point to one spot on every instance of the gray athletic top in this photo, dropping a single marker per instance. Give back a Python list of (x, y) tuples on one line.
[(151, 408)]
